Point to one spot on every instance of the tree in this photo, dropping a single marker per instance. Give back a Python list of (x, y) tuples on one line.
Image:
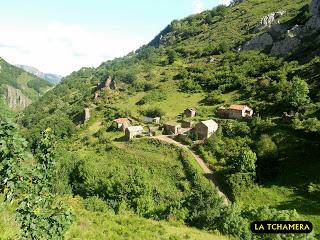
[(204, 205), (298, 95), (235, 2), (268, 165), (266, 147), (12, 155), (214, 97), (244, 162), (40, 215), (172, 56)]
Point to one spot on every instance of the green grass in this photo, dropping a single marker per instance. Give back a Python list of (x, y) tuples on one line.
[(288, 190), (9, 229), (106, 225), (282, 198), (103, 225), (173, 106), (162, 163)]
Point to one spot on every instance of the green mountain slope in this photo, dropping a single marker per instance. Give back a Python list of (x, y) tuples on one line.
[(18, 88), (202, 61), (93, 223)]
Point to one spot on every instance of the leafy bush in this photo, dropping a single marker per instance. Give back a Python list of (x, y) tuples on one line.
[(154, 96), (214, 97), (239, 181), (299, 91), (311, 125), (153, 112), (244, 162), (41, 216), (189, 86), (172, 56), (95, 204)]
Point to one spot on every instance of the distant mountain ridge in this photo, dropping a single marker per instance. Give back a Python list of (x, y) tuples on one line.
[(49, 77)]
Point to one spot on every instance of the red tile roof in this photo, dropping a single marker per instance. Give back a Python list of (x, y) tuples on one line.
[(122, 120), (238, 107)]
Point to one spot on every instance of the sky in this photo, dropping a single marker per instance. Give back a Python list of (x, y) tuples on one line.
[(62, 36)]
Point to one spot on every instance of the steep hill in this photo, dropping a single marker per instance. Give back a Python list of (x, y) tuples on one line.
[(18, 89), (219, 57), (49, 77)]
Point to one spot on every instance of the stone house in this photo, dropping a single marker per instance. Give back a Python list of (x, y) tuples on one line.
[(235, 111), (122, 123), (133, 131), (205, 129), (172, 129), (190, 112), (155, 120), (187, 124)]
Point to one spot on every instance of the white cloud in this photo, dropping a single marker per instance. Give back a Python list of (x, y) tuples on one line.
[(197, 6), (61, 49)]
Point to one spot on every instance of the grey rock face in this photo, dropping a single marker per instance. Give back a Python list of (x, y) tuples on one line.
[(267, 21), (283, 39), (261, 42), (314, 21), (15, 99), (294, 32), (314, 7), (285, 46), (110, 84)]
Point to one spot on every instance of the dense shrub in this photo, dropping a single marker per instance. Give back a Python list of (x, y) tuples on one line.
[(214, 97), (153, 112), (156, 95), (239, 181)]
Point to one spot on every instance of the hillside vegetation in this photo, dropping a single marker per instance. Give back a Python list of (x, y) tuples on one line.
[(26, 87), (266, 166)]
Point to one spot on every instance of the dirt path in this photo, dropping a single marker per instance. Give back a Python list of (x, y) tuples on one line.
[(204, 167)]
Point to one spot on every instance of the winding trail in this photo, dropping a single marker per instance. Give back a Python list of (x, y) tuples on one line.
[(208, 172)]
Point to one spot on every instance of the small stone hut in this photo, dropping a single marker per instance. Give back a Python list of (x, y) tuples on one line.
[(172, 128), (155, 120), (122, 123), (190, 112), (205, 129), (187, 124), (235, 111), (133, 131)]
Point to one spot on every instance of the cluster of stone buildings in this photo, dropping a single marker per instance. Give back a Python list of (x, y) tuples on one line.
[(201, 130)]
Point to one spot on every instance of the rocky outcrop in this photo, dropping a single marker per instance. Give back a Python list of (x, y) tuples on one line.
[(285, 46), (284, 38), (261, 42), (109, 84), (87, 115), (314, 22), (15, 99), (269, 20)]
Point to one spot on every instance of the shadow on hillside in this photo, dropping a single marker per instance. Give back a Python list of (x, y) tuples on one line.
[(302, 205), (120, 139)]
